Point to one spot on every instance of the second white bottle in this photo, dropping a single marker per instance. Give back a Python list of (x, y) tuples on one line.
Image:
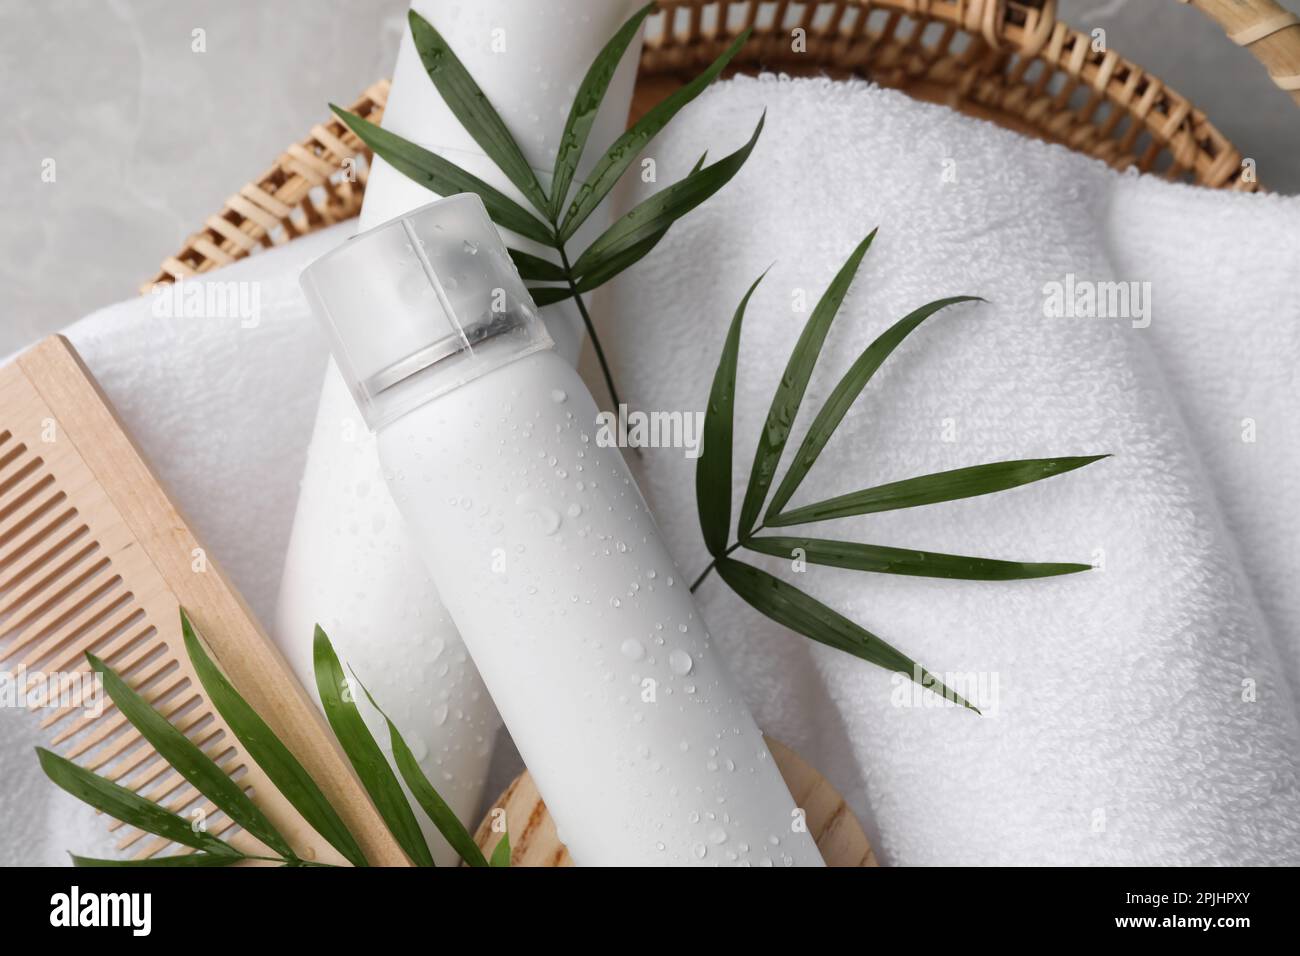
[(546, 554)]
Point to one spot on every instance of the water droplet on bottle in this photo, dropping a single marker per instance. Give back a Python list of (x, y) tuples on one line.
[(440, 715), (634, 649), (545, 518), (717, 836), (470, 248), (574, 510), (419, 749), (700, 851), (680, 662), (559, 395)]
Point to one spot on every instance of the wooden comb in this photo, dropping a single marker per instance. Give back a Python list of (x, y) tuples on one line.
[(94, 557)]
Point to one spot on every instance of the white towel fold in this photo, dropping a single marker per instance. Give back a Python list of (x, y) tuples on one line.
[(1124, 729)]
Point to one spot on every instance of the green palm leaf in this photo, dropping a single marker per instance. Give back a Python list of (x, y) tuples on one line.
[(444, 178), (610, 267), (885, 560), (655, 214), (179, 860), (469, 104), (790, 391), (602, 272), (628, 146), (586, 104), (128, 806), (501, 852), (366, 757), (713, 470), (452, 830), (786, 604), (189, 760), (931, 489), (543, 296), (845, 394), (533, 267), (281, 767)]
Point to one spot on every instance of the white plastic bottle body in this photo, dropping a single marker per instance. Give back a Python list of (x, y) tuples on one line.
[(584, 632)]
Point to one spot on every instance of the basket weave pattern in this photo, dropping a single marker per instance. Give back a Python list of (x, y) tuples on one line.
[(1008, 61)]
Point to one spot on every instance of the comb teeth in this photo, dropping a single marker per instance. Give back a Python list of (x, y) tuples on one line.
[(61, 596), (94, 558)]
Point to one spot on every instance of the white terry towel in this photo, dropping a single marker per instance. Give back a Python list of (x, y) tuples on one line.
[(1142, 712), (1227, 284)]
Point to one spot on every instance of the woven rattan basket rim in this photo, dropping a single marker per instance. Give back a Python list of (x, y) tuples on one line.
[(1007, 61)]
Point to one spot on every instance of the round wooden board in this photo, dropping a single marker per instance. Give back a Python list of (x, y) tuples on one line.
[(838, 834)]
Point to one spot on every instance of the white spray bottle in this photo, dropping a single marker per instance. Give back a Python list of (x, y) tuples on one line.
[(350, 565), (546, 554)]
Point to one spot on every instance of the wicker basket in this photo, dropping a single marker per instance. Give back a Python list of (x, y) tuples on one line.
[(1007, 61)]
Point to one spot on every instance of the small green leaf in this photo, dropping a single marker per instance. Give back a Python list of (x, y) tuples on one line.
[(189, 760), (603, 271), (185, 860), (929, 564), (654, 215), (535, 267), (544, 295), (501, 852), (786, 604), (281, 767), (366, 757), (845, 394), (128, 806), (469, 104), (452, 830), (628, 146), (444, 178), (586, 104), (931, 489), (713, 470), (790, 390)]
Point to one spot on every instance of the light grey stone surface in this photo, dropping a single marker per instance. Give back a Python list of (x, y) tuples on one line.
[(149, 137)]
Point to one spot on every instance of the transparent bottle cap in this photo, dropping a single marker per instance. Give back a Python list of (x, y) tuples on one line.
[(422, 304)]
